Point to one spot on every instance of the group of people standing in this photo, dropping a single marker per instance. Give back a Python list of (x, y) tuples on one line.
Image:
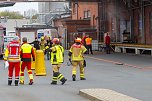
[(43, 45), (17, 54), (22, 54), (87, 42)]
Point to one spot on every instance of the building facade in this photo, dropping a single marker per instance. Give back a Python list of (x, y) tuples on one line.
[(127, 21), (48, 9), (83, 21)]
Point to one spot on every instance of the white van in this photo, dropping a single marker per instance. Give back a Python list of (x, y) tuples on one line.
[(44, 33), (10, 33), (7, 39)]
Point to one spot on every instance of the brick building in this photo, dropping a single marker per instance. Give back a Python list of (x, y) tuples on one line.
[(142, 21), (83, 21), (128, 21)]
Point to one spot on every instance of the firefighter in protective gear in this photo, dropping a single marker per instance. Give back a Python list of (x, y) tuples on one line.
[(27, 51), (57, 55), (76, 57), (12, 55), (42, 44)]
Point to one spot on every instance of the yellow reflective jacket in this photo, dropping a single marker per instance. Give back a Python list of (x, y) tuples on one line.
[(77, 52), (57, 55), (27, 51), (42, 45)]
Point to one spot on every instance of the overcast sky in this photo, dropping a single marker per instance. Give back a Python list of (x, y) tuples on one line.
[(21, 7)]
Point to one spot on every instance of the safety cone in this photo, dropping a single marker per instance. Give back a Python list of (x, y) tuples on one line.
[(33, 62), (33, 65), (40, 69)]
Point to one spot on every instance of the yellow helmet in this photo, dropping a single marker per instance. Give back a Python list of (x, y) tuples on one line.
[(42, 38)]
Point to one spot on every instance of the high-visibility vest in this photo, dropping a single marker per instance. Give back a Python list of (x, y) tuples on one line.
[(77, 52), (88, 41), (57, 54), (12, 52), (26, 52)]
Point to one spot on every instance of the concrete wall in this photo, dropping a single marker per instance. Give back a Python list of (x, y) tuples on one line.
[(12, 23)]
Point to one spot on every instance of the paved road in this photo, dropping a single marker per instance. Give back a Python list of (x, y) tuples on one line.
[(133, 78)]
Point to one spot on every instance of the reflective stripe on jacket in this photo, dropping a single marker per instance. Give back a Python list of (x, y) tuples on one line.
[(12, 52), (27, 51), (57, 54), (77, 52)]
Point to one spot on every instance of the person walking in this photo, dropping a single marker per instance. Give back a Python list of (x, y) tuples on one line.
[(107, 43), (27, 51), (12, 55), (76, 58), (88, 42), (57, 55)]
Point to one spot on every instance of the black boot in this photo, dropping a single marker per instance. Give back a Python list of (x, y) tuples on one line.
[(9, 82), (16, 82), (63, 80), (82, 78), (31, 82), (54, 79), (54, 83), (74, 77)]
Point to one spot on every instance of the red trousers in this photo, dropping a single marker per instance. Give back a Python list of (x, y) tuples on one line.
[(13, 65), (28, 65)]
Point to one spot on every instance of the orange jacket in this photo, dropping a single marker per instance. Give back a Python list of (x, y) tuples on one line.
[(88, 41)]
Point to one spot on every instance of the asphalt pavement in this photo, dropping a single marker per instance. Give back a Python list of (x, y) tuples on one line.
[(127, 74)]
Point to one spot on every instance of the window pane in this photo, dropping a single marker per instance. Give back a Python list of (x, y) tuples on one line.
[(85, 14), (89, 15)]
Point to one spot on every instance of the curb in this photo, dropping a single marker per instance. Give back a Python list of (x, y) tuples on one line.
[(90, 97), (105, 95)]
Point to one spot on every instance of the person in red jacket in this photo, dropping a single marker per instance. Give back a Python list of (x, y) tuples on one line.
[(27, 51), (107, 42), (12, 55)]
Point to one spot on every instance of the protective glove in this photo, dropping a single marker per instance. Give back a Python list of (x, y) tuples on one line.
[(70, 59), (49, 50), (6, 64), (84, 64), (69, 63)]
